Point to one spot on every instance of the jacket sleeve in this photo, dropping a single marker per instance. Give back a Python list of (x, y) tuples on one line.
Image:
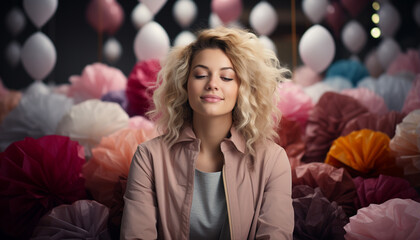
[(140, 206), (276, 219)]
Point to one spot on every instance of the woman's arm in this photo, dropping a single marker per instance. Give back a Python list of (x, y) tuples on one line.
[(276, 219), (139, 218)]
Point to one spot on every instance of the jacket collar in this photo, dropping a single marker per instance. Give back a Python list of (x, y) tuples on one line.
[(187, 135)]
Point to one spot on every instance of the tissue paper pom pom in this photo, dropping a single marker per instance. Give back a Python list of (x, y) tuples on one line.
[(96, 80), (36, 115), (141, 85), (89, 121), (37, 175), (338, 83), (84, 219), (385, 123), (110, 159), (336, 184), (393, 219), (381, 189), (316, 91), (405, 62), (117, 207), (315, 216), (116, 97), (291, 139), (349, 69), (412, 101), (294, 104), (305, 76), (368, 98), (326, 122), (8, 101), (406, 140), (364, 153)]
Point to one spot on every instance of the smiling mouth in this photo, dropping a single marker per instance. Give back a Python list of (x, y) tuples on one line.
[(211, 99)]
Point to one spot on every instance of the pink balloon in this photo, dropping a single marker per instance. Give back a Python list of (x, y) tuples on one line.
[(105, 15), (354, 7), (227, 10), (335, 17)]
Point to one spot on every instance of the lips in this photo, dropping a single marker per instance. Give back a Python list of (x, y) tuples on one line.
[(211, 98)]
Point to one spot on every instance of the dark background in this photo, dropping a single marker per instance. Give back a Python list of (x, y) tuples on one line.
[(76, 42)]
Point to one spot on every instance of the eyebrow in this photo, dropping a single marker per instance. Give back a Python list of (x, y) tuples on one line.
[(202, 66)]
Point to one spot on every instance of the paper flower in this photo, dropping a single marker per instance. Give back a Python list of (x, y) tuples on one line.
[(315, 216), (412, 101), (294, 104), (368, 98), (335, 184), (305, 76), (140, 86), (316, 91), (393, 219), (84, 219), (385, 123), (36, 115), (111, 159), (352, 70), (406, 141), (8, 101), (326, 122), (37, 175), (116, 97), (291, 139), (364, 153), (139, 122), (96, 80), (117, 207), (381, 189), (89, 121), (338, 83), (405, 62)]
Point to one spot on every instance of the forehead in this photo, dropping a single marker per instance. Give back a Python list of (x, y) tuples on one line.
[(211, 57)]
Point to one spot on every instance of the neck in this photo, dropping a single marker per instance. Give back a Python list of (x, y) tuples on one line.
[(211, 131)]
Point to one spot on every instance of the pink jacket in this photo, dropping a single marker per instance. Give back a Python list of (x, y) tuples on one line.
[(160, 186)]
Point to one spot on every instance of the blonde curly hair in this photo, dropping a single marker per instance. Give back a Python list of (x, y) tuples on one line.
[(255, 115)]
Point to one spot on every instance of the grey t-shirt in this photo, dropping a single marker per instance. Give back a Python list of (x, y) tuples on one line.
[(208, 217)]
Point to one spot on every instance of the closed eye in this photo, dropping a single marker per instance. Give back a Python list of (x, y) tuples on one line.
[(227, 79), (200, 76)]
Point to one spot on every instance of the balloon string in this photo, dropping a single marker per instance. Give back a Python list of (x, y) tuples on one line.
[(294, 42), (100, 32)]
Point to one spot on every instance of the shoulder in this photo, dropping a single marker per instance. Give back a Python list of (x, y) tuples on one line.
[(270, 153)]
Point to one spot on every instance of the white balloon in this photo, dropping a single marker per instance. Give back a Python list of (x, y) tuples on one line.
[(315, 9), (151, 41), (154, 5), (184, 12), (353, 36), (317, 48), (141, 15), (112, 50), (15, 21), (416, 13), (372, 64), (184, 38), (38, 56), (389, 20), (13, 50), (40, 11), (263, 18), (266, 41), (387, 51)]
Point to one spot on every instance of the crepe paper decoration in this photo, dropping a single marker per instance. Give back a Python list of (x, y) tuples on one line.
[(96, 80), (89, 121), (336, 184), (291, 139), (368, 98), (141, 85), (317, 90), (381, 189), (338, 83), (294, 104), (305, 76), (315, 216), (393, 219), (326, 122), (116, 97), (352, 70), (36, 115), (385, 123), (37, 175), (84, 219), (8, 101), (111, 159), (117, 207), (139, 122), (406, 141), (405, 62), (364, 153), (412, 101), (411, 168)]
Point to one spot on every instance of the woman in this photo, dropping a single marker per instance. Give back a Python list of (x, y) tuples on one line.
[(215, 173)]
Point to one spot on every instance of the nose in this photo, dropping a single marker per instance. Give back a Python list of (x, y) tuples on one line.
[(212, 83)]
